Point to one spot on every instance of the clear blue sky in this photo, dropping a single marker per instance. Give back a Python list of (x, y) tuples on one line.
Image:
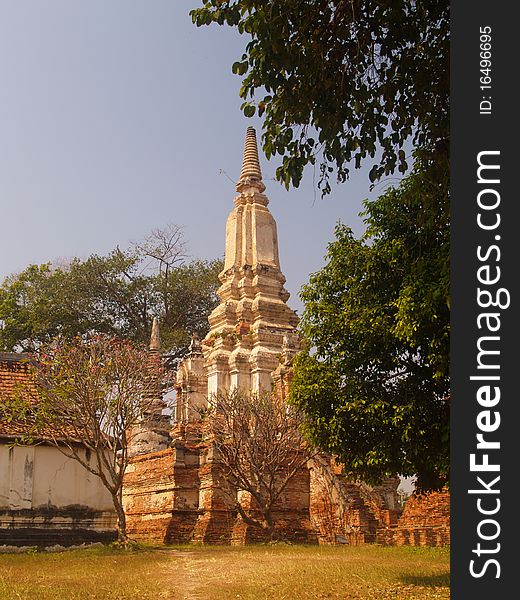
[(116, 117)]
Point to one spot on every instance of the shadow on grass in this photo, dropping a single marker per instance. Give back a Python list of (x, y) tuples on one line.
[(438, 580)]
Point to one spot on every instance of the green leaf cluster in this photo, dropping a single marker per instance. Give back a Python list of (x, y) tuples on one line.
[(362, 77), (375, 384), (113, 294)]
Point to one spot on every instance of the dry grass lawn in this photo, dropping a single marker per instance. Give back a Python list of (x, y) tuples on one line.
[(222, 573)]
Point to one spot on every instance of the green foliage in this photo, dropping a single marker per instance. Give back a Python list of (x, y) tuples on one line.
[(189, 294), (376, 386), (113, 294), (339, 81), (37, 305)]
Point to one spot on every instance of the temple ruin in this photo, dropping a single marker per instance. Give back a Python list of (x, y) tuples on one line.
[(172, 484), (172, 490)]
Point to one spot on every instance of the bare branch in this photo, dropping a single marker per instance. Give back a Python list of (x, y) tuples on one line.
[(166, 246), (257, 441), (90, 393)]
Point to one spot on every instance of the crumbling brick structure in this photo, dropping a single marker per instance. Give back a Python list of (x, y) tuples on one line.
[(173, 496), (425, 522)]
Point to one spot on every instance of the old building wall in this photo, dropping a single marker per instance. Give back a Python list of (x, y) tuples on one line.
[(161, 495), (291, 514), (425, 522), (174, 496), (47, 498), (344, 511)]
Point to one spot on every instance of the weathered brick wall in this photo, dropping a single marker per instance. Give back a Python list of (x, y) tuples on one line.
[(291, 515), (346, 512), (220, 523), (174, 496), (160, 495), (425, 522), (215, 524)]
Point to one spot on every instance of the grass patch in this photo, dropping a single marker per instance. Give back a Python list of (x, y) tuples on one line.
[(97, 574), (222, 573), (309, 573)]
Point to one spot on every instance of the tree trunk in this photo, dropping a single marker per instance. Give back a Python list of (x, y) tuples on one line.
[(122, 536), (268, 518), (266, 522)]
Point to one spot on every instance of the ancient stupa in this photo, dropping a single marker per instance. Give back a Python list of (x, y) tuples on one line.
[(172, 491), (253, 325)]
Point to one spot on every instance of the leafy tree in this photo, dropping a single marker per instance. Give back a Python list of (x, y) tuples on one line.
[(375, 384), (117, 294), (259, 447), (362, 77), (191, 289), (36, 305), (89, 394)]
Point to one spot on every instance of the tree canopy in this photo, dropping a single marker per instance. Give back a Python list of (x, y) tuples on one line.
[(341, 81), (375, 382), (116, 294)]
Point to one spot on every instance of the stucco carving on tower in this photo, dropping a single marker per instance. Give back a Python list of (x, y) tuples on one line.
[(249, 325)]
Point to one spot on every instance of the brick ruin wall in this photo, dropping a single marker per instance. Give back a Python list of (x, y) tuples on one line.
[(425, 522), (173, 496), (347, 512), (159, 496)]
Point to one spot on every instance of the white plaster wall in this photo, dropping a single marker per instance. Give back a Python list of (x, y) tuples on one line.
[(4, 476), (39, 476), (16, 466), (265, 238)]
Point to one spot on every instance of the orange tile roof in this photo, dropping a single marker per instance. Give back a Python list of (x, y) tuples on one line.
[(15, 378)]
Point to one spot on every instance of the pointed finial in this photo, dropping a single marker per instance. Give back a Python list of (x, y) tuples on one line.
[(155, 342), (251, 175)]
